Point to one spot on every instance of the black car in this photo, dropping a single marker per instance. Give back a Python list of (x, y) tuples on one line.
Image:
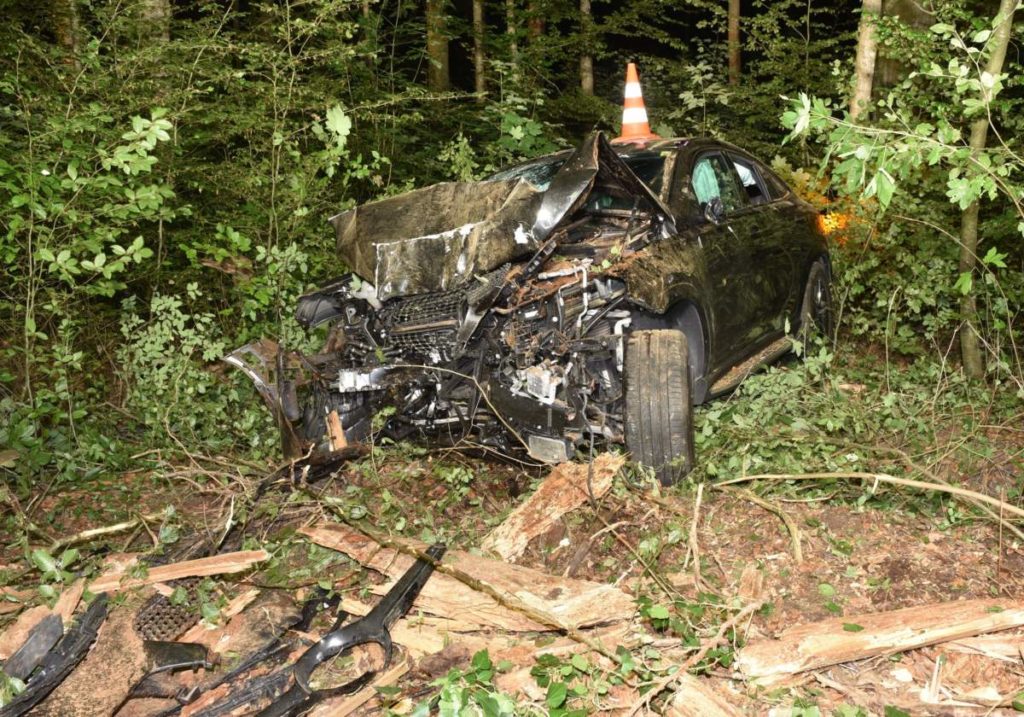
[(586, 296)]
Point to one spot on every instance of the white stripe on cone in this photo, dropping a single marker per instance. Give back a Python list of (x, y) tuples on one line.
[(633, 90), (634, 115)]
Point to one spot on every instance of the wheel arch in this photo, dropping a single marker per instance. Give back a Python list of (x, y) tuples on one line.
[(687, 316)]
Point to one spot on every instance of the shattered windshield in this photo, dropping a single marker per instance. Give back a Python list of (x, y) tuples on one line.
[(645, 165)]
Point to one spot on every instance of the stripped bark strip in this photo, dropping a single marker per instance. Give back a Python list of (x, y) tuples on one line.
[(202, 567)]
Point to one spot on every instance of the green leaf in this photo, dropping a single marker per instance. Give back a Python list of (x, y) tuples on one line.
[(658, 612), (852, 627), (339, 124), (994, 258), (981, 36), (1018, 702), (557, 692), (885, 186), (891, 711), (964, 283), (44, 561), (826, 590)]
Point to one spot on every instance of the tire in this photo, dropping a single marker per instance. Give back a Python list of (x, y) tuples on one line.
[(816, 309), (659, 411)]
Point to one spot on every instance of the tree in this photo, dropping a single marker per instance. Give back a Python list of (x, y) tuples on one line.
[(734, 42), (438, 78), (479, 54), (970, 347), (155, 20), (586, 59), (64, 15), (867, 51)]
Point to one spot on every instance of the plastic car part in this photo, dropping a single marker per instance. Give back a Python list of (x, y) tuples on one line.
[(40, 641), (61, 661), (374, 628)]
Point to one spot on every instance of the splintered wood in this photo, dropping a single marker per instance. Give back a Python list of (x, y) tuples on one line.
[(564, 489), (202, 567), (574, 603), (830, 642)]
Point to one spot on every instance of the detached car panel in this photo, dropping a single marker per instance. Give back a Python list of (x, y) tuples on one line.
[(585, 296)]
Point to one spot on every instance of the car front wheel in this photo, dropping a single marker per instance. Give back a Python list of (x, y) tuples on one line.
[(816, 310), (659, 421)]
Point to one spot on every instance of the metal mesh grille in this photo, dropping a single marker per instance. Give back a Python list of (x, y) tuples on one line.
[(160, 620), (427, 311)]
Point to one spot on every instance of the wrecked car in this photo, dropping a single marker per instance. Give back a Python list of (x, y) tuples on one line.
[(588, 296)]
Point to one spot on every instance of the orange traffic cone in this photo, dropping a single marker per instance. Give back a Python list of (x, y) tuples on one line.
[(635, 127)]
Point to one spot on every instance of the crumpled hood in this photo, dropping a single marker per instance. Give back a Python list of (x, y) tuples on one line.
[(437, 238)]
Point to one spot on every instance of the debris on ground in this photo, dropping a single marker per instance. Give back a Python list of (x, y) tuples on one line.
[(262, 654), (566, 488), (848, 639)]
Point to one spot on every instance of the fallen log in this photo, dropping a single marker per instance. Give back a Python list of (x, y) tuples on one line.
[(201, 567), (830, 642), (564, 489), (574, 603)]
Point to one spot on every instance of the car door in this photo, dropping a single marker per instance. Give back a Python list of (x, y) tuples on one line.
[(768, 228), (725, 252)]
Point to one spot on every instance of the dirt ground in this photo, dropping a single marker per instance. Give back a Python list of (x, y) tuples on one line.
[(859, 554)]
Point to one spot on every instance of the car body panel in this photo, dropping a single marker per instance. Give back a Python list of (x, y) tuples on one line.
[(500, 309)]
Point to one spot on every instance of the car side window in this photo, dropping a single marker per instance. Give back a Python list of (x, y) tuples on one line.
[(753, 184), (711, 178)]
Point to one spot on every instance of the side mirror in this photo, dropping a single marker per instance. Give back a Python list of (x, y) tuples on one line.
[(714, 210)]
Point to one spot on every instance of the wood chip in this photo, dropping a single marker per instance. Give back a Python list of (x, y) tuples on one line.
[(830, 642), (564, 490), (202, 567), (68, 601), (575, 603), (695, 698)]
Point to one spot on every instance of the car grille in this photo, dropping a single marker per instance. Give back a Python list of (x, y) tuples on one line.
[(423, 326)]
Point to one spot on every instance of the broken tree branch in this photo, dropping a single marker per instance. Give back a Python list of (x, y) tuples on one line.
[(787, 520), (830, 642), (881, 478)]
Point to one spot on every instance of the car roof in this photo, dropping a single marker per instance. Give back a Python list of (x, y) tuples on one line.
[(637, 148)]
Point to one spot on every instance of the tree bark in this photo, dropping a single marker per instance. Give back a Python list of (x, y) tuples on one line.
[(438, 78), (64, 15), (155, 20), (970, 346), (735, 58), (586, 59), (511, 30), (867, 51), (535, 24), (479, 55)]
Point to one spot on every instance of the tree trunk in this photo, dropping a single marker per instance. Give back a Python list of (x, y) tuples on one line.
[(511, 30), (535, 24), (867, 50), (970, 346), (64, 15), (155, 20), (479, 56), (734, 42), (586, 59), (437, 47)]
